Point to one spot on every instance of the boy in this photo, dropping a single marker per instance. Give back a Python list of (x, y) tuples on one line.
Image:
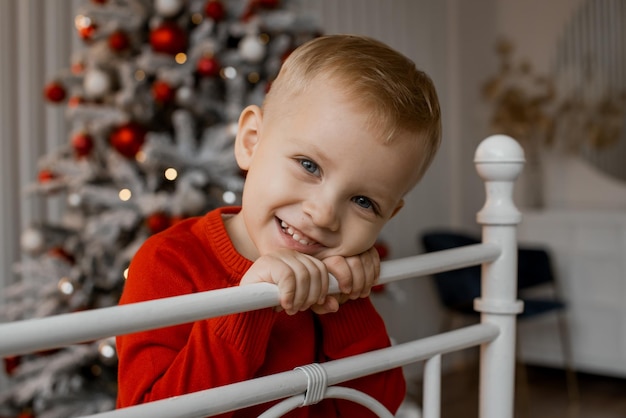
[(347, 129)]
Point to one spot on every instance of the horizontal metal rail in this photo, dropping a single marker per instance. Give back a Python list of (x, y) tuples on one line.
[(32, 335), (281, 385)]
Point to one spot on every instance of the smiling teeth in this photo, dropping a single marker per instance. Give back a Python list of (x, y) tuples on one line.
[(294, 234)]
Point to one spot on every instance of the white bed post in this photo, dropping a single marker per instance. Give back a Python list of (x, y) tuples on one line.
[(499, 160)]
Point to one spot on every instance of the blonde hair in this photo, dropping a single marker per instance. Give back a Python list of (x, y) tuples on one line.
[(399, 96)]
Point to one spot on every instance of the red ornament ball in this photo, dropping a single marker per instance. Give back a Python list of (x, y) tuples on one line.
[(77, 67), (119, 41), (54, 92), (254, 6), (177, 218), (162, 92), (11, 363), (128, 139), (168, 38), (215, 10), (82, 143), (86, 32), (208, 66), (382, 249), (75, 101), (46, 175), (268, 4), (61, 253), (158, 221)]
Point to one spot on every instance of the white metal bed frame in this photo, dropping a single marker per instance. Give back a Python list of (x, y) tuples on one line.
[(499, 160)]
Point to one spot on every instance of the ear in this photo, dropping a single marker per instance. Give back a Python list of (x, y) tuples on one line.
[(248, 135), (399, 206)]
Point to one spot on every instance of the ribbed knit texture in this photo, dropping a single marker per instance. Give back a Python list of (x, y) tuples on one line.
[(197, 255)]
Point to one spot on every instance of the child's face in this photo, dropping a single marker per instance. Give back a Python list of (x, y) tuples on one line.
[(318, 181)]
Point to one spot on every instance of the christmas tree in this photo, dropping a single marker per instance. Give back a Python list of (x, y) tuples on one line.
[(152, 102)]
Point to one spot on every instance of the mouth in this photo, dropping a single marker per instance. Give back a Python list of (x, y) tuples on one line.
[(296, 235)]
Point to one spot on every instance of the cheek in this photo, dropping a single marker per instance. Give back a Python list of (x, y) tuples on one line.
[(359, 237), (265, 187)]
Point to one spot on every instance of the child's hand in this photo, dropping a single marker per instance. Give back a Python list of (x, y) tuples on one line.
[(302, 280), (356, 275)]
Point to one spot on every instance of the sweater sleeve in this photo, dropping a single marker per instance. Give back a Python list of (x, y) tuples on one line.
[(185, 358), (354, 329)]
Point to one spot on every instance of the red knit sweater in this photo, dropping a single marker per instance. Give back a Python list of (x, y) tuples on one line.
[(197, 255)]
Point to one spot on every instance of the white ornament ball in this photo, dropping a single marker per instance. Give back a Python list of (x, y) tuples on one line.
[(251, 48), (32, 240), (97, 83), (184, 96), (66, 286), (107, 351), (168, 8), (74, 199)]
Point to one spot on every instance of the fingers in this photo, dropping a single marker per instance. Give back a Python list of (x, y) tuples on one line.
[(330, 304), (302, 280), (309, 276), (357, 274)]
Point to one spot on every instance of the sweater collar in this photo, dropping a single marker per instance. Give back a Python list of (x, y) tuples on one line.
[(223, 245)]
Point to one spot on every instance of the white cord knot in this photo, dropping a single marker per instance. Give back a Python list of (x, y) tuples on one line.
[(316, 383)]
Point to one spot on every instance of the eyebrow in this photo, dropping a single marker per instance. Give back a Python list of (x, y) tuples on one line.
[(313, 148)]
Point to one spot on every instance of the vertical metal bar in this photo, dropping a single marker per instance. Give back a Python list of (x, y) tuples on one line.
[(499, 160), (9, 196), (58, 28), (431, 407), (29, 101)]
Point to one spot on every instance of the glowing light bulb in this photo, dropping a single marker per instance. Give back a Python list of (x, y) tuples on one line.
[(171, 174), (66, 286), (229, 72), (141, 157), (125, 195), (82, 21), (229, 197)]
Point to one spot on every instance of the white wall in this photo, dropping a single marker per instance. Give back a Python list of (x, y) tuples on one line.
[(35, 41)]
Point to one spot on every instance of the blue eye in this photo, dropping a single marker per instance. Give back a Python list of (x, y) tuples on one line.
[(363, 202), (309, 166)]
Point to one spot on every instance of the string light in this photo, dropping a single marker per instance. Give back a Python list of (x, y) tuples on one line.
[(229, 72), (196, 18), (171, 174), (125, 195), (229, 197), (254, 77), (181, 58), (82, 21), (66, 286), (106, 350)]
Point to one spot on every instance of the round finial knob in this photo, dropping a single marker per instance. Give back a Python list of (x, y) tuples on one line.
[(499, 158), (499, 161)]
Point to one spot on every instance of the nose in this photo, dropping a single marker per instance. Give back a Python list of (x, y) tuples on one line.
[(323, 212)]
